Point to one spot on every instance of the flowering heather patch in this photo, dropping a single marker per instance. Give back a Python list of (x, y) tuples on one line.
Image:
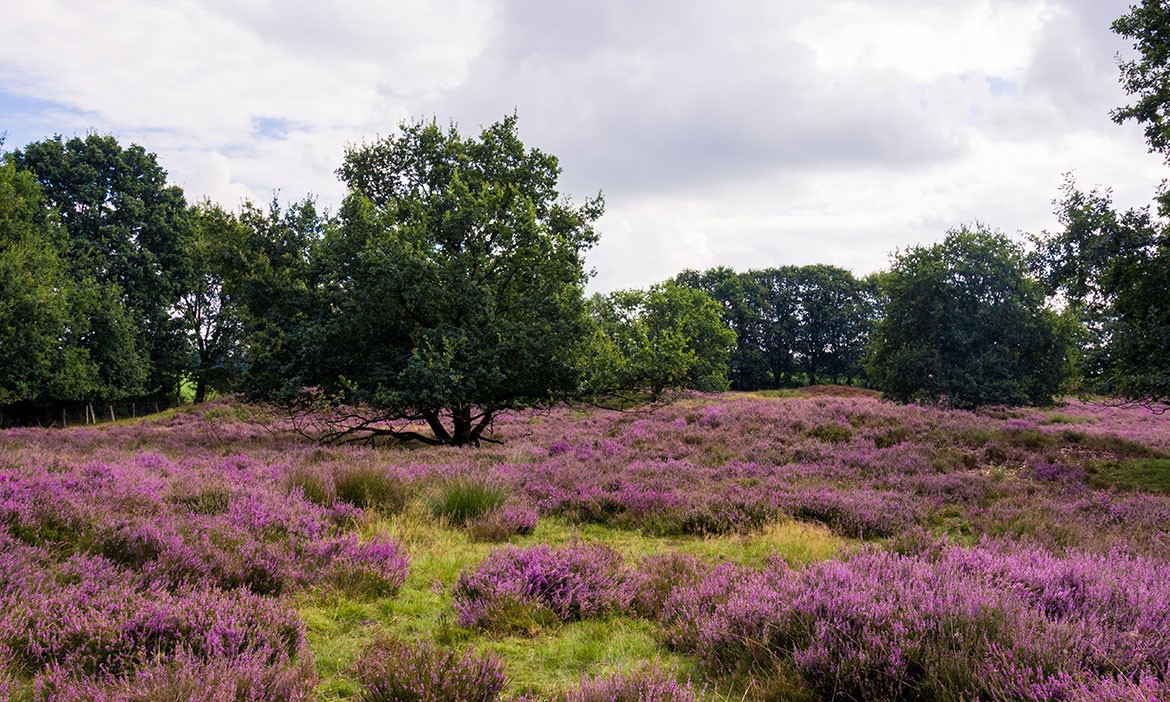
[(392, 671), (376, 567), (991, 622), (516, 586), (648, 684), (86, 624), (138, 560), (502, 523)]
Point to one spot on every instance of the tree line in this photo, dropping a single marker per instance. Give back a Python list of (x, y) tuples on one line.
[(450, 287)]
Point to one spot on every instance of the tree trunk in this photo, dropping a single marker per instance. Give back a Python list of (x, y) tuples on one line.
[(461, 426), (200, 389)]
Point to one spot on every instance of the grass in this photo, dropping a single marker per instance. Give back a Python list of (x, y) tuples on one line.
[(555, 657), (370, 486), (462, 499), (1148, 474)]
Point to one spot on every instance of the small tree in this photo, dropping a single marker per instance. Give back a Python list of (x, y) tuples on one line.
[(210, 308), (965, 325), (449, 290), (653, 341)]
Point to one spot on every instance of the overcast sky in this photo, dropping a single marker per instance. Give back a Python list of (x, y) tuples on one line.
[(739, 133)]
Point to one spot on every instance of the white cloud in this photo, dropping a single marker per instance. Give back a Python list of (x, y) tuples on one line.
[(747, 134)]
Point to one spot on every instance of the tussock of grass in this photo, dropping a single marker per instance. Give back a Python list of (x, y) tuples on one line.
[(460, 500), (371, 486)]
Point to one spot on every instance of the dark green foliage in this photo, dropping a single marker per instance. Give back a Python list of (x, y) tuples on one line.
[(126, 230), (449, 290), (665, 338), (1147, 78), (743, 307), (210, 306), (1113, 267), (63, 335), (966, 326), (277, 290), (793, 324)]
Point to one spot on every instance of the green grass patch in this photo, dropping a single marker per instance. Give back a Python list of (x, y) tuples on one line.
[(1148, 474), (832, 433), (551, 657), (1064, 419), (779, 394), (553, 663)]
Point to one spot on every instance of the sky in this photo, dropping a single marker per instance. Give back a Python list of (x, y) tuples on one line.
[(741, 133)]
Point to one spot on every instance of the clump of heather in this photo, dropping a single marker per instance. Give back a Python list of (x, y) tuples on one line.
[(392, 671), (859, 514), (503, 523), (376, 567), (653, 582), (186, 678), (942, 623), (647, 684), (517, 588)]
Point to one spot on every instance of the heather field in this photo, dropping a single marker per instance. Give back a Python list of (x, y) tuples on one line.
[(731, 547)]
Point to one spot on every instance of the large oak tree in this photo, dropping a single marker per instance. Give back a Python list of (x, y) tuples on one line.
[(449, 289)]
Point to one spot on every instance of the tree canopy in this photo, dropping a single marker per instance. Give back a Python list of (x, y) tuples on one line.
[(126, 232), (965, 325), (450, 287), (653, 341), (793, 324), (1112, 266), (63, 336), (1147, 77)]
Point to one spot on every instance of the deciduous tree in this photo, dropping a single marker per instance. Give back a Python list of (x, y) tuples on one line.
[(965, 325), (666, 338), (125, 228), (450, 288)]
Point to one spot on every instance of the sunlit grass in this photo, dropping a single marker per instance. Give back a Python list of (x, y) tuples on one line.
[(556, 656)]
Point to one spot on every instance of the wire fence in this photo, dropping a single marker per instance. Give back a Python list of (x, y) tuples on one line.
[(82, 413)]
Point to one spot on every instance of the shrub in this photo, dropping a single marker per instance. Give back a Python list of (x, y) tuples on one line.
[(514, 588), (657, 577), (186, 678), (392, 671), (503, 523), (462, 499), (370, 486), (647, 684), (374, 568)]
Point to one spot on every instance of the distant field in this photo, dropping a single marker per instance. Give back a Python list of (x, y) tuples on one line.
[(760, 546)]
